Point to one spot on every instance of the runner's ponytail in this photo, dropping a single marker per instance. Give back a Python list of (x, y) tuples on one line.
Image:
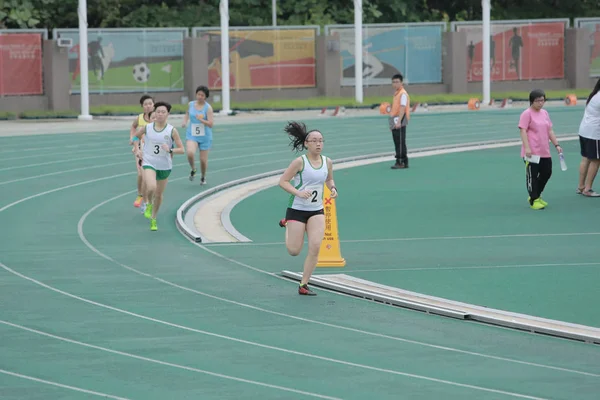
[(297, 133)]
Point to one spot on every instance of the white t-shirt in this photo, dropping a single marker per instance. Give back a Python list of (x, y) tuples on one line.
[(403, 100), (590, 124)]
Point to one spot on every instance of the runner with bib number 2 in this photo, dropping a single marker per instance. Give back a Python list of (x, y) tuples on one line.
[(304, 180)]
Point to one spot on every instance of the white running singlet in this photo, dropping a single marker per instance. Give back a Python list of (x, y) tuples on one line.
[(154, 155), (310, 179)]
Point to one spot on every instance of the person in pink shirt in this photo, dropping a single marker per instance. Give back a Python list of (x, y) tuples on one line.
[(536, 133)]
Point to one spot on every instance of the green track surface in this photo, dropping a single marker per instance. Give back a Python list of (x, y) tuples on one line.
[(79, 267), (451, 226)]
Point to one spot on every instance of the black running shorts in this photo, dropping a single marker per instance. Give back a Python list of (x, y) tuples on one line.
[(301, 216), (590, 148)]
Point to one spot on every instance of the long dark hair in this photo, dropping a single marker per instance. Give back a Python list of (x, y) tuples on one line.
[(596, 90), (298, 133)]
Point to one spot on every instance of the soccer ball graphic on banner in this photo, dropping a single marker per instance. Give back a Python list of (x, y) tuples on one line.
[(141, 72)]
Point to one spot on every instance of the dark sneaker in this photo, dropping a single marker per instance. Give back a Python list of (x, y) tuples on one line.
[(305, 291), (192, 173)]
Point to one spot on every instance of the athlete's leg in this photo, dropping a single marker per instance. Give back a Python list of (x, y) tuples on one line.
[(158, 196), (294, 237), (140, 183), (191, 146), (203, 164), (150, 189), (315, 229)]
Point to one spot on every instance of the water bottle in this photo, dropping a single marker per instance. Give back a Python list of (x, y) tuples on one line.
[(563, 164)]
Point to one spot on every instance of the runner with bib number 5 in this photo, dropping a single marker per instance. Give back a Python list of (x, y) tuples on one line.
[(199, 132), (304, 180)]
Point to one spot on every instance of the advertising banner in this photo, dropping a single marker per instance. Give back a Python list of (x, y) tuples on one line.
[(414, 51), (128, 60), (593, 26), (518, 51), (263, 58), (21, 64)]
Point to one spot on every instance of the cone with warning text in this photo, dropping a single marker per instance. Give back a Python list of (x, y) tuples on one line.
[(330, 253)]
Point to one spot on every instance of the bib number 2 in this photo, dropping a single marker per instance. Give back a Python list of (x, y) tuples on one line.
[(198, 130), (315, 194)]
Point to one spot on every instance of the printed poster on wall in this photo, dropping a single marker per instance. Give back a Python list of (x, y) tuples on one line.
[(21, 64), (517, 51), (129, 61), (264, 59), (414, 51), (594, 43)]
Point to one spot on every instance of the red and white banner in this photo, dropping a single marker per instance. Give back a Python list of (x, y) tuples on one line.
[(517, 51), (21, 64)]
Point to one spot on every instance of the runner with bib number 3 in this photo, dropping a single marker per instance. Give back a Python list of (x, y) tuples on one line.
[(304, 180), (159, 137), (199, 131)]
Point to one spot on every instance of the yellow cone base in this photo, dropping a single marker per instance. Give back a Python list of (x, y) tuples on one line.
[(332, 263)]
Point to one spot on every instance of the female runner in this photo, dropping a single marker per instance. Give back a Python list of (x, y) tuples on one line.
[(199, 132), (143, 119), (308, 173), (157, 162)]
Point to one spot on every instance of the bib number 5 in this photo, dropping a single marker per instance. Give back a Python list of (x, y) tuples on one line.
[(198, 130)]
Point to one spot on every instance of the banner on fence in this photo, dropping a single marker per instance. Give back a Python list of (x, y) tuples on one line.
[(21, 64), (263, 58), (129, 60), (414, 51), (593, 26), (518, 51)]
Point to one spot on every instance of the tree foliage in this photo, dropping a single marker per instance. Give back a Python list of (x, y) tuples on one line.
[(184, 13)]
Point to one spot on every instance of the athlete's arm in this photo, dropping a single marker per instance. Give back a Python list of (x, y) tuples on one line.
[(209, 118), (132, 130), (284, 182), (140, 135), (177, 140), (186, 119), (139, 132), (329, 182)]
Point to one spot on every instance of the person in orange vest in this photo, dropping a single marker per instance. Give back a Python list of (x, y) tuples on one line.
[(399, 117)]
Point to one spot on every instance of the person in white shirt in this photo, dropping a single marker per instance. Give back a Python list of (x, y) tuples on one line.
[(398, 121), (589, 141)]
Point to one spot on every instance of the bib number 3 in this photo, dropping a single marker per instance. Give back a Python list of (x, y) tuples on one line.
[(198, 130), (156, 149)]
